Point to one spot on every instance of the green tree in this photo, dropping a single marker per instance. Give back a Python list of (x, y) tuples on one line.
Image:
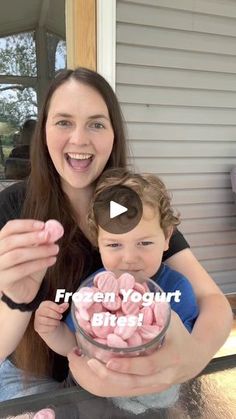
[(18, 101), (18, 58)]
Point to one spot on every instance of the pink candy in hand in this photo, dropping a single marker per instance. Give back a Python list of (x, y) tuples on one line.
[(55, 230)]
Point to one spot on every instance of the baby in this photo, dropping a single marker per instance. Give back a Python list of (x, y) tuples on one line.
[(138, 252)]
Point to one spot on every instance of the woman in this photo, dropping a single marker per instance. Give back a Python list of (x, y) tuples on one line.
[(79, 134)]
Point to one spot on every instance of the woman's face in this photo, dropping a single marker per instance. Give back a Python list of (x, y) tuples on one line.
[(79, 135)]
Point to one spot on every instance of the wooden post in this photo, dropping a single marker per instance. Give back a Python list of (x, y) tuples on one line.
[(81, 33)]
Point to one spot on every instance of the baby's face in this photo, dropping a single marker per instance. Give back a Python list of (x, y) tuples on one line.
[(139, 251)]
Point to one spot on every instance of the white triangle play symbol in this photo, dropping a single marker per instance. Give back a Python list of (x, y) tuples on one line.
[(116, 209)]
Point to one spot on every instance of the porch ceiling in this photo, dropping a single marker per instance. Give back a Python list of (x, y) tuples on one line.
[(24, 15)]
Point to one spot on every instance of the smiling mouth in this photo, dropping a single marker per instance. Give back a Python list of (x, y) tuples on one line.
[(79, 161)]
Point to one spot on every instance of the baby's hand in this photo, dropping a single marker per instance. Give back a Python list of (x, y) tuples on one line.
[(48, 317)]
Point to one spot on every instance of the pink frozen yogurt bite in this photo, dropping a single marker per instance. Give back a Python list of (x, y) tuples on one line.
[(55, 230)]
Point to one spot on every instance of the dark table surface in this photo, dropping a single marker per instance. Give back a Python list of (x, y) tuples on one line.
[(211, 395)]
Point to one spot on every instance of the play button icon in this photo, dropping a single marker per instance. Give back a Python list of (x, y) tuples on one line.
[(116, 209)]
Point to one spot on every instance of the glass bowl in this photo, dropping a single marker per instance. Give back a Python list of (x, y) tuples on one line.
[(92, 345)]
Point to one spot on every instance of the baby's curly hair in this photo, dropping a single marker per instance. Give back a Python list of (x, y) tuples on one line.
[(151, 191)]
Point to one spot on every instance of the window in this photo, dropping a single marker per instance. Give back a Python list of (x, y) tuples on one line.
[(29, 59)]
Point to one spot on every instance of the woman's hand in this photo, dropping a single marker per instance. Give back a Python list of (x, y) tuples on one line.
[(103, 383), (25, 255), (178, 360)]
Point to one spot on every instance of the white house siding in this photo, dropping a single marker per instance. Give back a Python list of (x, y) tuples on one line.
[(176, 81)]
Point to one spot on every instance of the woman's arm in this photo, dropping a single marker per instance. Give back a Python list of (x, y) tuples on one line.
[(215, 320), (25, 256), (13, 326)]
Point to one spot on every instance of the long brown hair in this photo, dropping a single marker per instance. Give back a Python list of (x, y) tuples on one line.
[(45, 199)]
